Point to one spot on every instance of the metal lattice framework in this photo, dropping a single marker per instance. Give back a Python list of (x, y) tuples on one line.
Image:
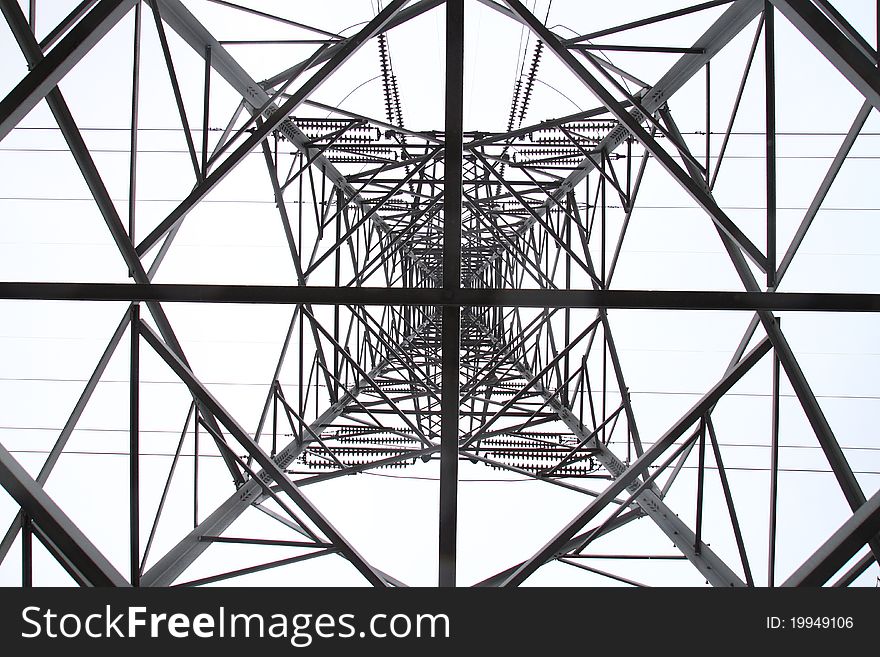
[(453, 302)]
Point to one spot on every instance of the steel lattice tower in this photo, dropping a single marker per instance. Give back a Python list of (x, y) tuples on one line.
[(451, 296)]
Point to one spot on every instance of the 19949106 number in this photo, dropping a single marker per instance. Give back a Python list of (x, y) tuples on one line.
[(810, 622)]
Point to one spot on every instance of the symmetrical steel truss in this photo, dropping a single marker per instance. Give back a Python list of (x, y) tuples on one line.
[(451, 295)]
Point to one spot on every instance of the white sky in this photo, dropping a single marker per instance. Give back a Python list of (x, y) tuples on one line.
[(50, 230)]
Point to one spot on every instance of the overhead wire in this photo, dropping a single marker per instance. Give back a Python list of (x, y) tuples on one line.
[(760, 395), (425, 478)]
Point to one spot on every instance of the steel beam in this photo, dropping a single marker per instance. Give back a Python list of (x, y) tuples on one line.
[(451, 326), (840, 547), (855, 571), (812, 410), (256, 99), (819, 197), (554, 548), (835, 45), (633, 125), (413, 11), (134, 472), (719, 34), (381, 296), (187, 27), (91, 565), (647, 21), (71, 19), (449, 443), (849, 485), (69, 426), (92, 177), (624, 518), (770, 137), (649, 500), (271, 469), (170, 566), (46, 74), (710, 43), (274, 117)]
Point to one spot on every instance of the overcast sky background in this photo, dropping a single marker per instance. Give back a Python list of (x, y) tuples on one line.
[(50, 230)]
